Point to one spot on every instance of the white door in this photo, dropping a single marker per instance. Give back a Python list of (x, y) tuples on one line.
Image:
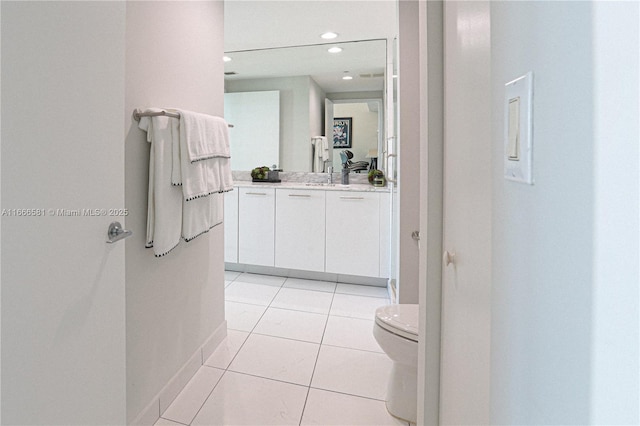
[(465, 360), (63, 292)]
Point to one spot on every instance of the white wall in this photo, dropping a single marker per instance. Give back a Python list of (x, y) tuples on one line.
[(565, 274), (316, 109), (543, 234), (295, 135), (615, 337), (174, 303), (63, 310)]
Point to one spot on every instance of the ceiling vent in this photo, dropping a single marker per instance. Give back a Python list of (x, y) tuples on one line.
[(230, 73), (372, 75)]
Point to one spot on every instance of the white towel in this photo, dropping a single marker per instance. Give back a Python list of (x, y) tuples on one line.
[(321, 153), (172, 214), (200, 215), (203, 178), (210, 173), (206, 136), (164, 214)]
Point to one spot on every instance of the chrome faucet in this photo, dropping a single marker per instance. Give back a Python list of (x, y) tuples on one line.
[(330, 173)]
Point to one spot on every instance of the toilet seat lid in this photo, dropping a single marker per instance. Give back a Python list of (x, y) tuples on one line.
[(400, 319)]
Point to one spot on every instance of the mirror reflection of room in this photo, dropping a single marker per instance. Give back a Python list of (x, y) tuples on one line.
[(365, 134), (303, 79)]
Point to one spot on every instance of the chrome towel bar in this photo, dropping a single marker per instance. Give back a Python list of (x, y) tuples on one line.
[(137, 114)]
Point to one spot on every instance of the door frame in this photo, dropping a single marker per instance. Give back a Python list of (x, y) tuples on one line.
[(431, 64)]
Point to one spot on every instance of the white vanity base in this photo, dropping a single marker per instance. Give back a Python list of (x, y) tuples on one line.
[(309, 275)]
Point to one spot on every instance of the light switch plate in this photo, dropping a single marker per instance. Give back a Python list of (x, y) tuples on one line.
[(518, 129)]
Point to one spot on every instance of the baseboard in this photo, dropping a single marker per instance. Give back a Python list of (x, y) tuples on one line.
[(308, 275), (150, 415), (179, 380), (212, 343)]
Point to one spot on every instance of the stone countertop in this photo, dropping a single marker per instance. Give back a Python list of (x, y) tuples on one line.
[(312, 186)]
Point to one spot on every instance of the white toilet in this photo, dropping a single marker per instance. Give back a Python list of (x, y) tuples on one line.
[(396, 331)]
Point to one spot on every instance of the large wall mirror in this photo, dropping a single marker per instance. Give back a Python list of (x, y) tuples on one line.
[(305, 77)]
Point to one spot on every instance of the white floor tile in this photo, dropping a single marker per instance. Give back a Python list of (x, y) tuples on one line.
[(188, 402), (297, 325), (239, 399), (354, 333), (255, 294), (362, 290), (335, 409), (276, 358), (346, 305), (241, 316), (352, 371), (166, 422), (261, 279), (303, 300), (228, 348), (231, 275), (226, 283), (314, 285)]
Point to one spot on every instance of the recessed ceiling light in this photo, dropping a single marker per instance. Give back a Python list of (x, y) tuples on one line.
[(347, 77), (329, 35), (226, 58), (335, 49)]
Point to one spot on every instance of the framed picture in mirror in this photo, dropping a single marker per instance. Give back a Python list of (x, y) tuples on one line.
[(342, 132)]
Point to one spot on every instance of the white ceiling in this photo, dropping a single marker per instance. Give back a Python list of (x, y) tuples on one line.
[(252, 26)]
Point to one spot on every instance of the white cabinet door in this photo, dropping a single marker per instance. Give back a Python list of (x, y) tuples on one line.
[(231, 226), (256, 226), (300, 229), (353, 228)]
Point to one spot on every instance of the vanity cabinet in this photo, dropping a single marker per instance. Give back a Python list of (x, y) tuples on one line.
[(330, 231), (256, 231), (353, 233), (300, 229), (231, 226)]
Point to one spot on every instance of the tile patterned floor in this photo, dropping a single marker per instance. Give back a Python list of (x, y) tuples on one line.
[(298, 352)]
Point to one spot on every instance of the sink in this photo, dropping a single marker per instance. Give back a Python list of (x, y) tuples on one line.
[(326, 184)]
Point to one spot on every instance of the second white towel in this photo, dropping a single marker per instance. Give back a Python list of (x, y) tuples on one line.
[(203, 166)]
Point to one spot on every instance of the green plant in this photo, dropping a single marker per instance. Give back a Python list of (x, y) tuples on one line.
[(260, 172), (373, 174)]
